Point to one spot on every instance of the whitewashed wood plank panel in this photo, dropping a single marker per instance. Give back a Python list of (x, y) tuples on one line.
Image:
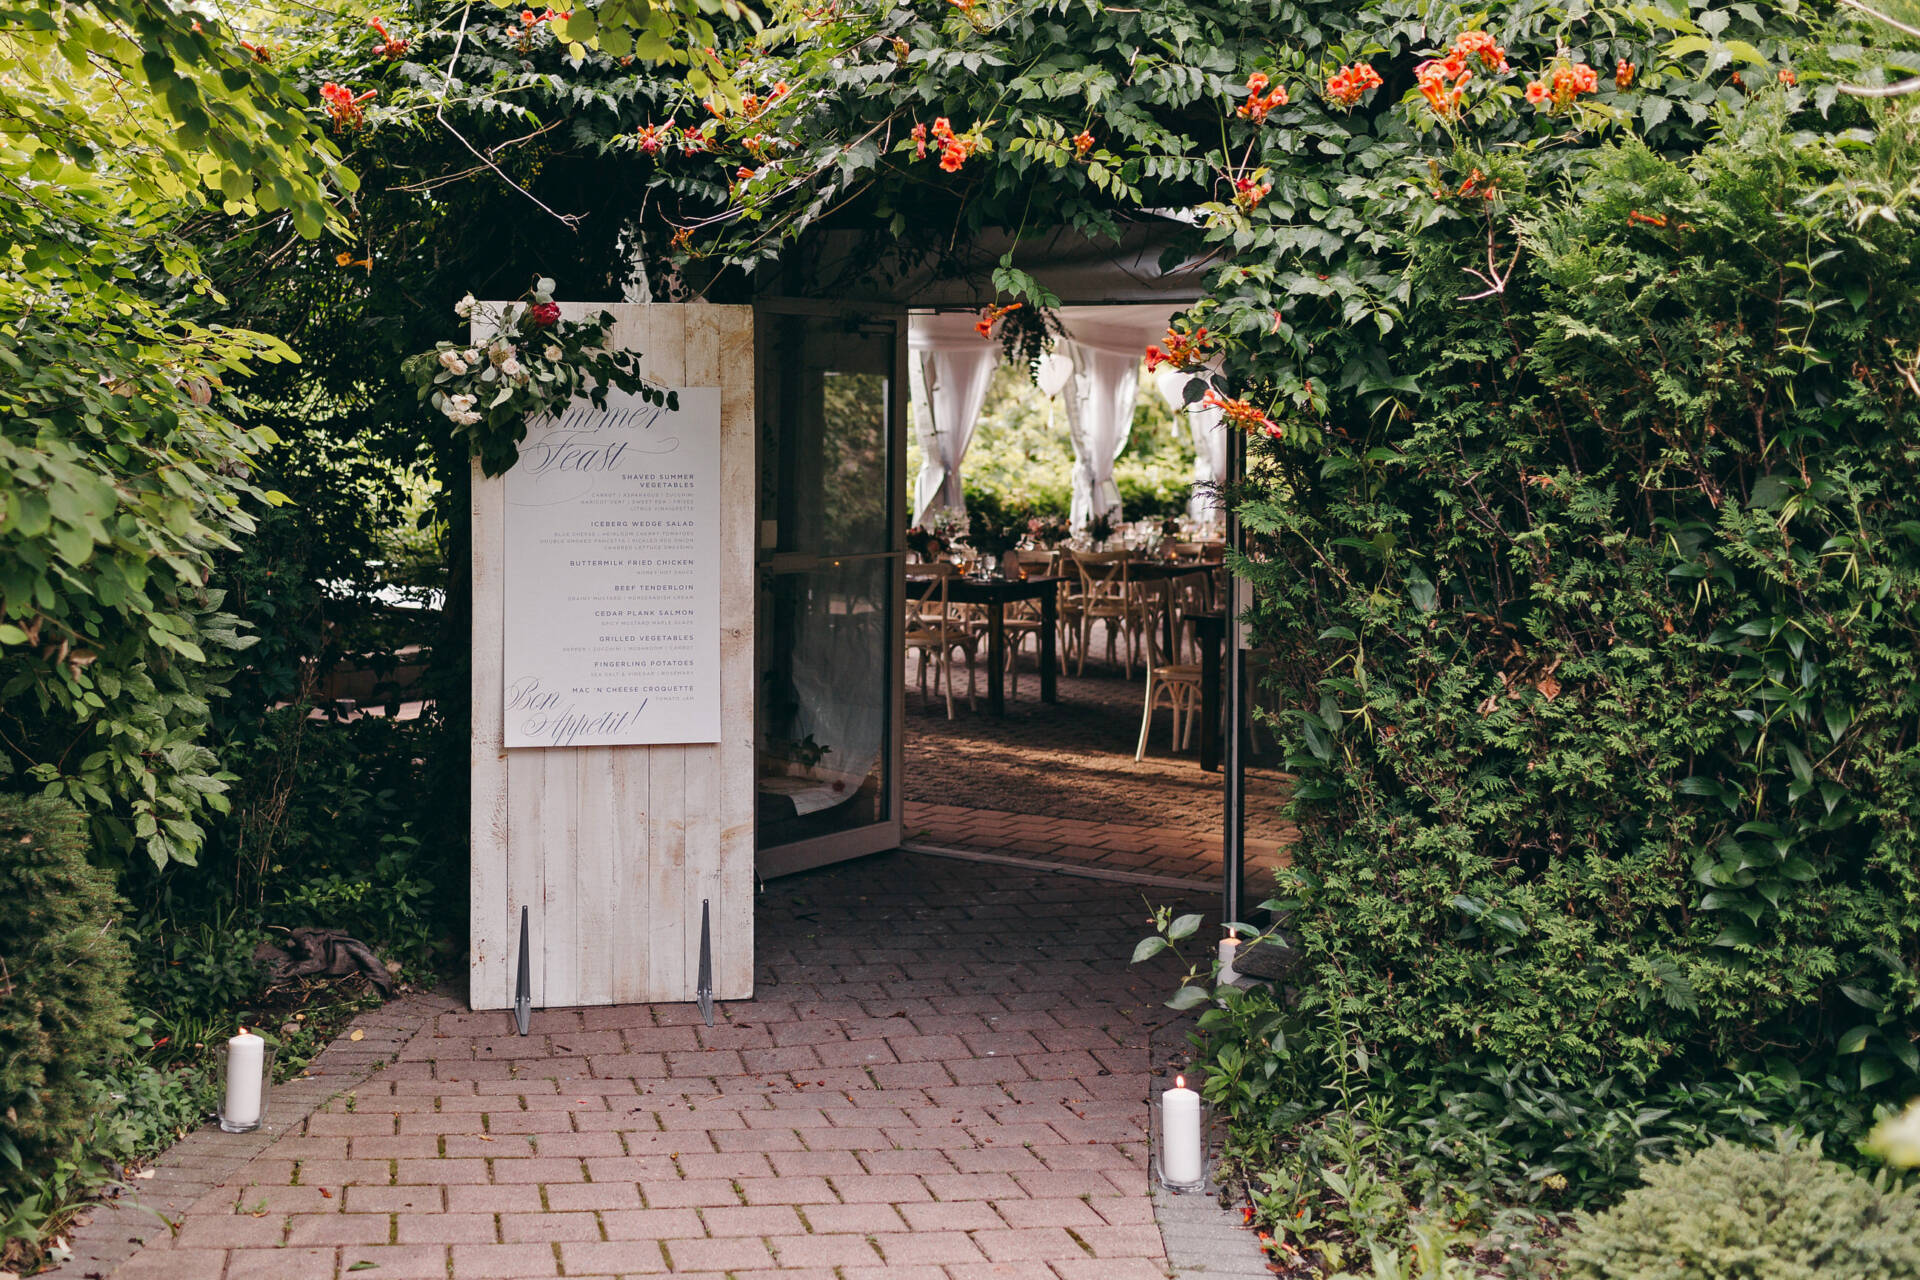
[(560, 856), (490, 936), (668, 976), (599, 852), (595, 852), (706, 822), (740, 524), (526, 878), (628, 958), (628, 955), (626, 941)]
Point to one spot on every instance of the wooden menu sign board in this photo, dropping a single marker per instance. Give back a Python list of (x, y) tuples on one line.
[(637, 805)]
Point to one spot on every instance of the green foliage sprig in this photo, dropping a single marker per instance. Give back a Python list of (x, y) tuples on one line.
[(526, 360), (122, 475)]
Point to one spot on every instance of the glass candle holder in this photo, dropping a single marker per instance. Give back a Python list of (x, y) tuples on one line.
[(1180, 1131), (243, 1093)]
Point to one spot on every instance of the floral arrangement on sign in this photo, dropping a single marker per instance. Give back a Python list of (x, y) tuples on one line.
[(537, 362)]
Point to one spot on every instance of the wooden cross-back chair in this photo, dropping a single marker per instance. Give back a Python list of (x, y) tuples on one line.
[(937, 627), (1023, 619), (1106, 594), (1174, 682)]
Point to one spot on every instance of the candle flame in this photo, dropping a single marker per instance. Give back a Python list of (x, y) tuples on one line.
[(1179, 1082)]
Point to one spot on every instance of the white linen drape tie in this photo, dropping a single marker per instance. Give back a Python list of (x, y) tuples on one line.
[(949, 384), (1099, 387)]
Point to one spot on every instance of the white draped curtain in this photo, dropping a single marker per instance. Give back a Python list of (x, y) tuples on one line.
[(950, 367), (1209, 440), (1098, 386)]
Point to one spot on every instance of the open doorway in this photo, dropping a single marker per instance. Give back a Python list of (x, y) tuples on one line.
[(1089, 473), (856, 397)]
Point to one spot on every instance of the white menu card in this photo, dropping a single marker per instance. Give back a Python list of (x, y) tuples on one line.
[(612, 571)]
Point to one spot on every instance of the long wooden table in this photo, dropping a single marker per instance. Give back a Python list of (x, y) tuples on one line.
[(995, 594)]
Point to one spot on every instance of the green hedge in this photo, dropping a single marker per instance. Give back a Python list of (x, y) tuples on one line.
[(63, 979), (1601, 648)]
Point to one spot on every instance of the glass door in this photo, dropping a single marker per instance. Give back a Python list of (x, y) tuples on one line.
[(829, 703)]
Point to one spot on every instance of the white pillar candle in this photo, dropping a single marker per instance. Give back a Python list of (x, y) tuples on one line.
[(1180, 1163), (1229, 948), (246, 1081)]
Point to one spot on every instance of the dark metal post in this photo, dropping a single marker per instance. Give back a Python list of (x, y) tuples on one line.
[(703, 993), (1234, 826), (523, 982)]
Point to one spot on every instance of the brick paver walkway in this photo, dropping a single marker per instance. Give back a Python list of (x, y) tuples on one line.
[(942, 1077), (1058, 782), (1074, 841)]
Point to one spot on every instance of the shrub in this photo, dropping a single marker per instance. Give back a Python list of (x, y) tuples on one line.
[(324, 831), (1737, 1213), (63, 978)]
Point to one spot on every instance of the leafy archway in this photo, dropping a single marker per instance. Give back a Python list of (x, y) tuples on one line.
[(1577, 340)]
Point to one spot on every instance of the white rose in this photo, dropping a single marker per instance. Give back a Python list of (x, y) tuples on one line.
[(453, 361), (553, 354), (464, 307), (467, 419), (460, 408), (512, 367), (473, 356)]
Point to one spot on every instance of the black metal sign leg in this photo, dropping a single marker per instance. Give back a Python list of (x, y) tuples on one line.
[(523, 984), (705, 990)]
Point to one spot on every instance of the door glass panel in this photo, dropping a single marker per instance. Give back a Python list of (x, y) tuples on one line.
[(828, 614), (825, 443), (824, 732)]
